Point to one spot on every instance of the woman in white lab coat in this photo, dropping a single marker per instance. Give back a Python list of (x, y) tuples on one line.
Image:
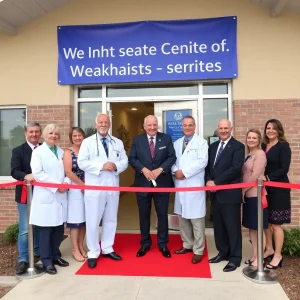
[(49, 205), (76, 214)]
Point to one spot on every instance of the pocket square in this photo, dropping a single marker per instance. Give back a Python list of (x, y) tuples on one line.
[(162, 147)]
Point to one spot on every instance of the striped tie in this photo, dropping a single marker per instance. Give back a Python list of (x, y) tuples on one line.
[(186, 141), (151, 144), (219, 152), (105, 146)]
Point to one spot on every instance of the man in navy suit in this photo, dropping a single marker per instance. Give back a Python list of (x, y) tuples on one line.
[(152, 155), (21, 170), (225, 162)]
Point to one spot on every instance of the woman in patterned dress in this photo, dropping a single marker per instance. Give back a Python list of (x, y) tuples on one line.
[(278, 155), (76, 213)]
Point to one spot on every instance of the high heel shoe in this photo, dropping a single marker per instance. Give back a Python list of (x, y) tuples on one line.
[(77, 257), (272, 267), (248, 262), (269, 256)]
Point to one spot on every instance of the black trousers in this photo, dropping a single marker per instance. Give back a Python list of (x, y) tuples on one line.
[(161, 203), (227, 230), (50, 240)]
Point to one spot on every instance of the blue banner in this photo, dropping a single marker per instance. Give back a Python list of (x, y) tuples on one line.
[(148, 51), (173, 120)]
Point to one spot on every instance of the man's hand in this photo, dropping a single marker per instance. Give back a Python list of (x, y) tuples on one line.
[(29, 177), (156, 173), (109, 166), (62, 190), (179, 175), (148, 174), (210, 183)]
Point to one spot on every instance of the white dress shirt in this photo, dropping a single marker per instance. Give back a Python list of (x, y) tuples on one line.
[(225, 143)]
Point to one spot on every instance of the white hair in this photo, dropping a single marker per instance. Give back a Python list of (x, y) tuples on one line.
[(49, 128)]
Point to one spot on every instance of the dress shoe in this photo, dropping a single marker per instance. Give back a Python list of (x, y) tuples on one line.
[(61, 262), (230, 267), (92, 263), (217, 259), (142, 251), (165, 252), (50, 270), (183, 251), (113, 256), (196, 258), (21, 267)]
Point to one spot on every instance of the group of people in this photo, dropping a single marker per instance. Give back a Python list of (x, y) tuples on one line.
[(158, 162)]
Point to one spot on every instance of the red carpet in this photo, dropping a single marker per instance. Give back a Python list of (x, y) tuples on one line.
[(152, 264)]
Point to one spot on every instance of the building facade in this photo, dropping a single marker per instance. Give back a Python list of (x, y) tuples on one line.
[(267, 86)]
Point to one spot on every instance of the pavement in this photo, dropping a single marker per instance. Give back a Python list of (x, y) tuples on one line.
[(68, 286)]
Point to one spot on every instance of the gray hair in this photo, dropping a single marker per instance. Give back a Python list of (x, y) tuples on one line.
[(49, 128), (145, 120), (32, 124), (189, 117), (99, 114)]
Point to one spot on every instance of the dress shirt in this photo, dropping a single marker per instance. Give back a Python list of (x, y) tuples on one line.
[(225, 143), (184, 140), (104, 137), (154, 139), (32, 146), (53, 150)]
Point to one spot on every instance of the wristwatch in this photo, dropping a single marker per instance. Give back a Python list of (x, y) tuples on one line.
[(162, 170)]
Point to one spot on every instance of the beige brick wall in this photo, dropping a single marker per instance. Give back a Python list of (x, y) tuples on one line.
[(254, 113)]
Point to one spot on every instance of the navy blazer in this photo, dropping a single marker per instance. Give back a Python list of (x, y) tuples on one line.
[(164, 157), (227, 170), (20, 166)]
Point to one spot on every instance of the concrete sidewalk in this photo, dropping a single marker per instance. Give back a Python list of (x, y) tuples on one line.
[(66, 285)]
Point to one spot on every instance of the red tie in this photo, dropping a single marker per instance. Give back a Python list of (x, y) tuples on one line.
[(151, 144), (35, 147)]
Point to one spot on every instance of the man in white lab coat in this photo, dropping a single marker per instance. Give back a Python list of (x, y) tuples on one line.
[(189, 171), (102, 158)]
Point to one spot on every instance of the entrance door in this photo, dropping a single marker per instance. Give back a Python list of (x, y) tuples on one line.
[(169, 115)]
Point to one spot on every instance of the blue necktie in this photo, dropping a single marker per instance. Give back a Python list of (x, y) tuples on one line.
[(105, 146), (219, 152)]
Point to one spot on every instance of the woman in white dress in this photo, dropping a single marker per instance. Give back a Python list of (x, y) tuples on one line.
[(76, 214)]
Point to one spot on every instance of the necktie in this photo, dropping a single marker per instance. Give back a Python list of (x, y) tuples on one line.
[(35, 147), (219, 152), (151, 144), (105, 146), (186, 141)]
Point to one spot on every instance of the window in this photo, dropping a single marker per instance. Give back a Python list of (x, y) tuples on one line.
[(90, 92), (12, 122), (87, 112), (150, 91)]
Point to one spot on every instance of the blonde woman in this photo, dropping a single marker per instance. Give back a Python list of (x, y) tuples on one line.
[(254, 166), (49, 205)]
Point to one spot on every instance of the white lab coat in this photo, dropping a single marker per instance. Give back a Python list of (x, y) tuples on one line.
[(49, 207), (100, 204), (191, 205)]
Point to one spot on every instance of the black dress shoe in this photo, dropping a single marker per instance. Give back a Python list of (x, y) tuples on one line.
[(230, 267), (61, 262), (142, 251), (50, 270), (21, 267), (113, 256), (217, 259), (92, 263), (165, 252)]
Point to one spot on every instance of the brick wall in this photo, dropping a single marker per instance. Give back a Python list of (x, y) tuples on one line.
[(61, 115), (254, 114)]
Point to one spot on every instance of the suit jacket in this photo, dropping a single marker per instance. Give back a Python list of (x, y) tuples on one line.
[(20, 166), (164, 157), (227, 170), (278, 164)]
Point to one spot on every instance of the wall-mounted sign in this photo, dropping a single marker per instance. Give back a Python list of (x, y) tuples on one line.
[(148, 51), (172, 122)]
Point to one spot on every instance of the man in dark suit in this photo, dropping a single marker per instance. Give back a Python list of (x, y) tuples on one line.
[(225, 162), (152, 155), (21, 170)]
